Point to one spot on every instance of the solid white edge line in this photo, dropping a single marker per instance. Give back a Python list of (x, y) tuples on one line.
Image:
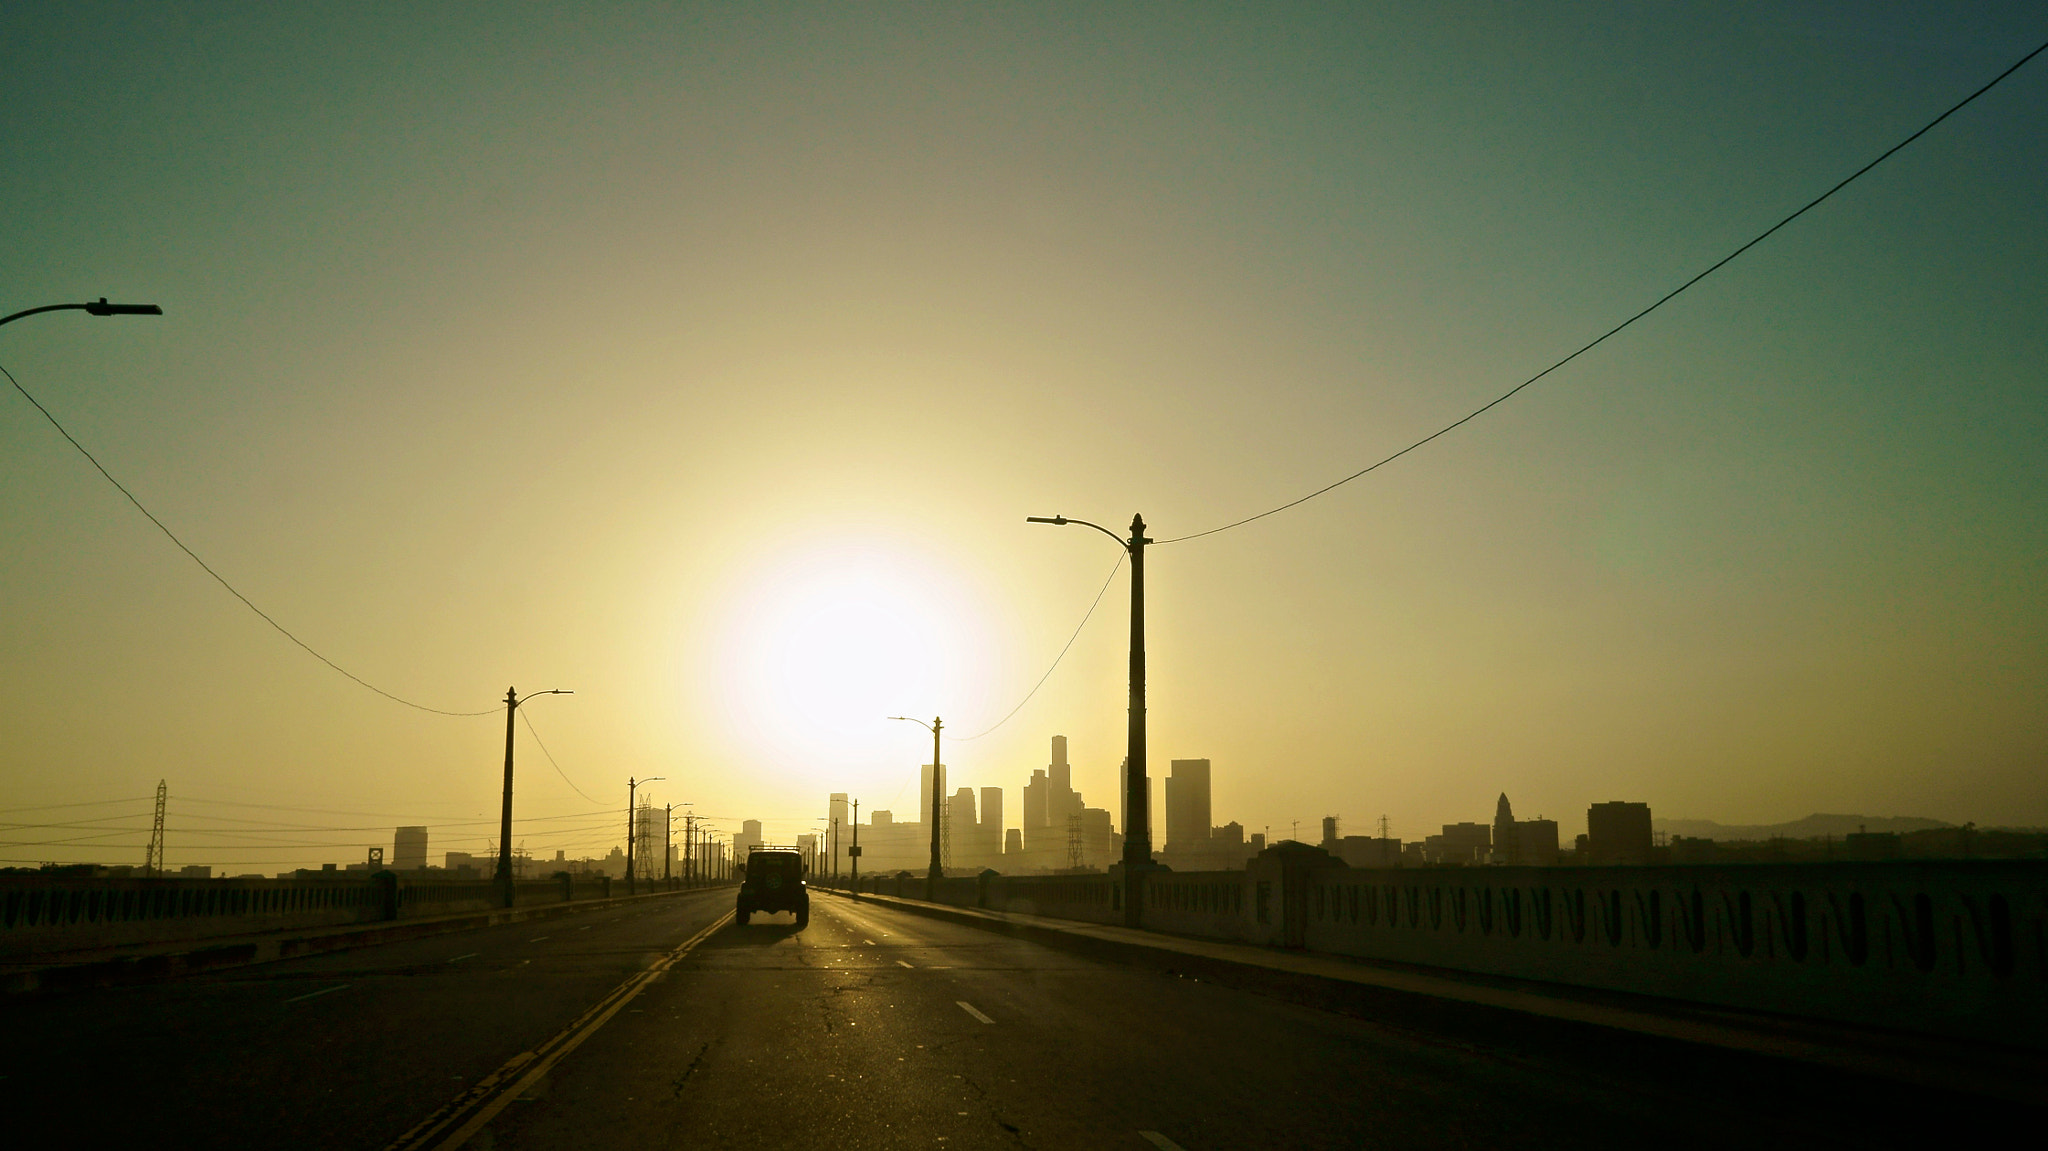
[(322, 991), (1160, 1141), (969, 1009)]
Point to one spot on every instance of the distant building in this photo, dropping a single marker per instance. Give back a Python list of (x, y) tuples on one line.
[(924, 791), (1460, 843), (750, 834), (1618, 832), (409, 849), (1522, 842), (1187, 806), (457, 860)]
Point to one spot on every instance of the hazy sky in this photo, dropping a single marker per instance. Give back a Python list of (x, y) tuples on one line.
[(706, 360)]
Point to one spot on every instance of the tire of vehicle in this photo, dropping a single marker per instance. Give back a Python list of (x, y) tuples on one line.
[(740, 916), (803, 917)]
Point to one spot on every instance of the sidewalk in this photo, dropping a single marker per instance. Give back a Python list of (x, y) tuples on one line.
[(1417, 996), (108, 967)]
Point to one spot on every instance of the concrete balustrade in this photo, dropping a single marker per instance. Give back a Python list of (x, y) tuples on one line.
[(42, 918)]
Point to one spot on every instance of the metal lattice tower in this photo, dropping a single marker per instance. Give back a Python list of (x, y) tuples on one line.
[(154, 865), (1074, 842)]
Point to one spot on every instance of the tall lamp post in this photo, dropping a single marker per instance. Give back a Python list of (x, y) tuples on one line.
[(512, 702), (1137, 818), (931, 878), (631, 785), (97, 308)]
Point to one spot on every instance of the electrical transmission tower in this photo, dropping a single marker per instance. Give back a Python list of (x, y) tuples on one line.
[(1074, 842), (154, 865)]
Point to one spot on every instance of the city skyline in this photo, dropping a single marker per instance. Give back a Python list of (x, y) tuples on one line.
[(714, 382)]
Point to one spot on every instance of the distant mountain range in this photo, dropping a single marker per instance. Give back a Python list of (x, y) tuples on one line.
[(1812, 827)]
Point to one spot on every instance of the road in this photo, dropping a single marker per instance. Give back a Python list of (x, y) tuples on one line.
[(872, 1028)]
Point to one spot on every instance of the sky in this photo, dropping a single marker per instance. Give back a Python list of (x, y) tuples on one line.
[(706, 359)]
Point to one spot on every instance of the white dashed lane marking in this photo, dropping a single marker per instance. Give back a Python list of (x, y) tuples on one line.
[(969, 1009), (1160, 1141), (460, 958), (322, 991), (900, 963)]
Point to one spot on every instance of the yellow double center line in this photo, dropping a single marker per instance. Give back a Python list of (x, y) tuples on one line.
[(463, 1116)]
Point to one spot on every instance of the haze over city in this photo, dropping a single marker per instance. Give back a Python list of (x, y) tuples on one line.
[(706, 361)]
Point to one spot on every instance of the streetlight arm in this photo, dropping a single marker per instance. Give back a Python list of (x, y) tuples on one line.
[(96, 308), (550, 691), (909, 719), (1062, 521)]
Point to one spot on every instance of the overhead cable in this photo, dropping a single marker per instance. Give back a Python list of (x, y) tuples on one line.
[(1660, 302)]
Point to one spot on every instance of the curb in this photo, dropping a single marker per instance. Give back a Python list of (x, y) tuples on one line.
[(243, 951), (1437, 1003)]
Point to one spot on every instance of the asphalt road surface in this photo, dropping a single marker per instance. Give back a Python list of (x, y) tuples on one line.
[(661, 1026)]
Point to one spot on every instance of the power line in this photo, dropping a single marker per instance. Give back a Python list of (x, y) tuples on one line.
[(551, 759), (203, 566), (1056, 659), (1661, 301)]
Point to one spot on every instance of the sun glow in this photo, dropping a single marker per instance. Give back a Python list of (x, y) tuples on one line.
[(827, 643)]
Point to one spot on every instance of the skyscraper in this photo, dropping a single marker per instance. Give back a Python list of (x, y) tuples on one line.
[(1505, 845), (1187, 805), (409, 849)]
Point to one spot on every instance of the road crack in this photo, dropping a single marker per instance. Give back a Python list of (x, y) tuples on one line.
[(695, 1063)]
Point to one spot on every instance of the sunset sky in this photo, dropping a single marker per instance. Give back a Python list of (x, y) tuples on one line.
[(706, 360)]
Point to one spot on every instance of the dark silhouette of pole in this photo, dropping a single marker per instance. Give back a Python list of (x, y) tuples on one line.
[(512, 702), (853, 857), (667, 833), (98, 308), (1137, 814), (835, 849), (933, 875), (505, 814)]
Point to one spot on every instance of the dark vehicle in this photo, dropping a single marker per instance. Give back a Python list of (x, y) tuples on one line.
[(774, 881)]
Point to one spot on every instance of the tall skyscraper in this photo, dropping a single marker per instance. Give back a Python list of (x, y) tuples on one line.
[(1187, 805), (1505, 845), (409, 849), (1060, 773)]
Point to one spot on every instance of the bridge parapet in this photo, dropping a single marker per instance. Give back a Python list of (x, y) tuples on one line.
[(40, 918)]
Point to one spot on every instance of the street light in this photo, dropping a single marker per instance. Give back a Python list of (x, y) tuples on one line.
[(1137, 817), (99, 308), (512, 702), (631, 784), (931, 878)]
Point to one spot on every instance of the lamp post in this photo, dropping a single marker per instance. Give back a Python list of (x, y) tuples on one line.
[(97, 308), (853, 853), (931, 878), (1137, 817), (631, 785), (512, 702)]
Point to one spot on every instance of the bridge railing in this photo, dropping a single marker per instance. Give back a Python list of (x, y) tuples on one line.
[(42, 917)]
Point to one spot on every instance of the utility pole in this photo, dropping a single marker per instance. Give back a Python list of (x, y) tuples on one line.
[(667, 837), (853, 853), (505, 815), (512, 702), (835, 849), (937, 870), (153, 865)]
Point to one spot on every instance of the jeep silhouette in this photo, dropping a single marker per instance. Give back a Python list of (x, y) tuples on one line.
[(774, 881)]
